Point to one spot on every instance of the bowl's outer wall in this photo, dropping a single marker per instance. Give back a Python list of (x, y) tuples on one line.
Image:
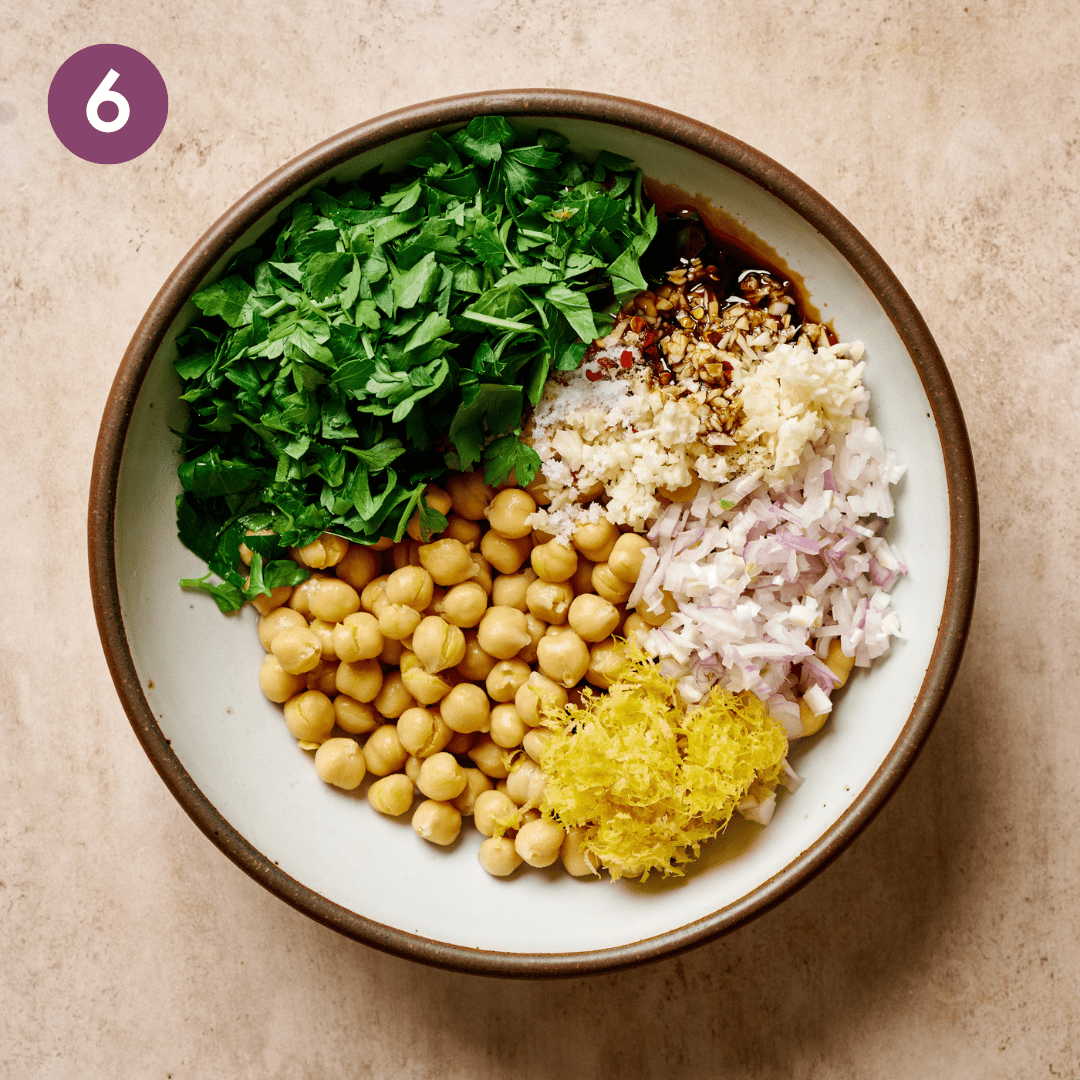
[(947, 425)]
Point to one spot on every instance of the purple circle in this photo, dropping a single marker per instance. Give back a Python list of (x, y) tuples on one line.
[(115, 77)]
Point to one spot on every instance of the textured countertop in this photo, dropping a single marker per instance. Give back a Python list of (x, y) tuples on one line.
[(943, 943)]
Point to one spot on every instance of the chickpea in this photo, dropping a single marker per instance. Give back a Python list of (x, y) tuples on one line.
[(507, 727), (466, 708), (539, 842), (581, 582), (554, 561), (669, 605), (476, 665), (449, 562), (469, 495), (503, 632), (392, 795), (412, 768), (461, 743), (838, 662), (332, 600), (534, 742), (277, 598), (563, 657), (427, 687), (504, 679), (537, 488), (437, 644), (591, 493), (323, 676), (411, 586), (341, 763), (494, 809), (405, 553), (577, 860), (441, 777), (463, 605), (359, 567), (280, 619), (537, 628), (435, 499), (309, 717), (483, 572), (487, 755), (438, 594), (509, 511), (525, 784), (634, 625), (373, 595), (297, 649), (355, 717), (812, 722), (537, 689), (300, 601), (605, 583), (423, 732), (507, 556), (392, 651), (383, 752), (592, 617), (324, 631), (549, 600), (604, 658), (362, 680), (596, 539), (541, 536), (393, 699), (498, 856), (627, 556), (245, 551), (439, 822), (681, 494), (276, 683), (398, 621), (358, 637), (327, 550), (476, 783), (509, 589), (461, 528)]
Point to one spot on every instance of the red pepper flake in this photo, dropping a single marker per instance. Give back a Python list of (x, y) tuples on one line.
[(604, 362), (593, 376), (627, 358)]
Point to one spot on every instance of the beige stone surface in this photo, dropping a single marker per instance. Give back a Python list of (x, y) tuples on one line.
[(944, 943)]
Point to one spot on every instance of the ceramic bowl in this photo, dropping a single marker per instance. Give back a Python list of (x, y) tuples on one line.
[(187, 674)]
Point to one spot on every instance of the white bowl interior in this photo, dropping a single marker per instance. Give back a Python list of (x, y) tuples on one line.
[(198, 668)]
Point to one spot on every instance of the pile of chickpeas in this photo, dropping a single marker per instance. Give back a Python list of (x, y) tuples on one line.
[(425, 663)]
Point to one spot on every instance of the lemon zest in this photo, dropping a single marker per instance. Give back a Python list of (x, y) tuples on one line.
[(650, 778)]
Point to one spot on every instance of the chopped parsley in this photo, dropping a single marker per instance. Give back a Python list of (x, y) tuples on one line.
[(386, 331)]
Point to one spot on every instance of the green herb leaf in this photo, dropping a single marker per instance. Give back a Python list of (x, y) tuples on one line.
[(389, 328), (507, 455), (226, 298)]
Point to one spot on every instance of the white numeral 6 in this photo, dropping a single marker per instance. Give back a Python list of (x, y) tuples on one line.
[(103, 93)]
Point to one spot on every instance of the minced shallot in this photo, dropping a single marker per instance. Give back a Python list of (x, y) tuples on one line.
[(765, 576)]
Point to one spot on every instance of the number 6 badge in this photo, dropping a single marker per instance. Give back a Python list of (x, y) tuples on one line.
[(108, 104)]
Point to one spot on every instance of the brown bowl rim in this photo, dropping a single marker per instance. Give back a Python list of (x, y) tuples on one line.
[(711, 143)]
